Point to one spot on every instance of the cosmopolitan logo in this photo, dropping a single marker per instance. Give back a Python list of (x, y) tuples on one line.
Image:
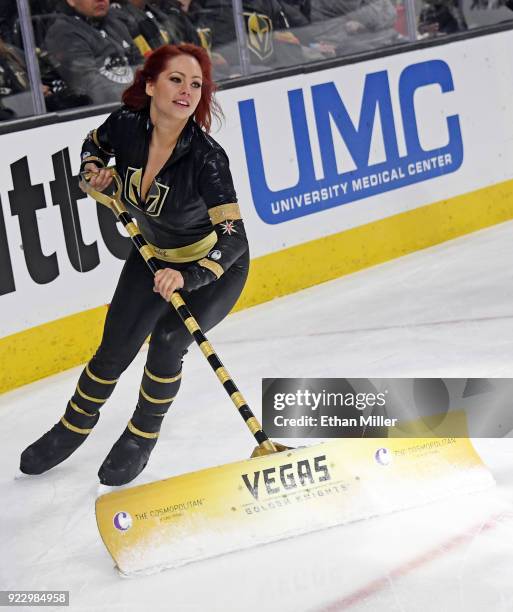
[(287, 477), (339, 186)]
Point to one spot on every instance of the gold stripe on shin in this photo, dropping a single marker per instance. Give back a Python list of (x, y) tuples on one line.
[(237, 399), (207, 349), (154, 400), (97, 379), (142, 434), (78, 430), (79, 410), (160, 379), (96, 400), (191, 324), (222, 374)]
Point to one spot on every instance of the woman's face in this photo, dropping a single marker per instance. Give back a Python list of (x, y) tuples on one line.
[(177, 90)]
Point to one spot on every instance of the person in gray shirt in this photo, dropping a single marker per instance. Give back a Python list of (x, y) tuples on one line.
[(92, 50)]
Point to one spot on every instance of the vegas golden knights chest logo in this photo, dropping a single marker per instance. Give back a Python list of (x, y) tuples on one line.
[(260, 35), (154, 199)]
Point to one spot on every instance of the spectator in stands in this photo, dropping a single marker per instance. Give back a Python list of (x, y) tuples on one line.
[(354, 25), (151, 27), (13, 82), (271, 42), (441, 17), (15, 93), (179, 20), (92, 50)]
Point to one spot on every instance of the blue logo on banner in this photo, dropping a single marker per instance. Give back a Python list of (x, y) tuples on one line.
[(310, 194)]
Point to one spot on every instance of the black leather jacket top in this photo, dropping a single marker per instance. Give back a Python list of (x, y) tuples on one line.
[(190, 216)]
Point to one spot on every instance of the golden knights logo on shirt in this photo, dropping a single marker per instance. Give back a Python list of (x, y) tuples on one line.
[(154, 199), (260, 35)]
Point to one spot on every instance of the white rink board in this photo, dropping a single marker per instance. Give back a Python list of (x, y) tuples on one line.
[(479, 102)]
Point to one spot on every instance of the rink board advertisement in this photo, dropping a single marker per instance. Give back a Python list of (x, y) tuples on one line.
[(335, 171), (210, 512)]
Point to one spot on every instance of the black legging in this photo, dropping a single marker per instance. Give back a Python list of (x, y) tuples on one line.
[(135, 312)]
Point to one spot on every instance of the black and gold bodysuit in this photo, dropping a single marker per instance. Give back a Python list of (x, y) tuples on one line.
[(192, 220)]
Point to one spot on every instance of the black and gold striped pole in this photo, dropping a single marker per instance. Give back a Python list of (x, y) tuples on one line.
[(265, 445)]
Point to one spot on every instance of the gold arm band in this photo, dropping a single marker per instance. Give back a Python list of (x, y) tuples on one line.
[(161, 380), (207, 349), (96, 400), (188, 253), (79, 410), (93, 158), (142, 434), (94, 135), (71, 427), (154, 400), (222, 374), (97, 379), (191, 324), (237, 398), (212, 266), (221, 213)]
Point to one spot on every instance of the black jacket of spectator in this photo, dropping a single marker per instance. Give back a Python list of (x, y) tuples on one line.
[(449, 17), (179, 24), (94, 56), (263, 19), (152, 27)]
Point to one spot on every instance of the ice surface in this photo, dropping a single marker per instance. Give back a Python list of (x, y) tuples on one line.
[(446, 311)]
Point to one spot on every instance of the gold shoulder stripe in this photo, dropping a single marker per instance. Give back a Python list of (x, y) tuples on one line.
[(221, 213), (212, 266), (94, 135)]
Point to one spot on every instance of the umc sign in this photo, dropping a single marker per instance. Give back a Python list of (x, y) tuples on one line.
[(311, 194)]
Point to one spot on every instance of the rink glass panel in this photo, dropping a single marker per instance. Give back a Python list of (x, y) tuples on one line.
[(302, 33)]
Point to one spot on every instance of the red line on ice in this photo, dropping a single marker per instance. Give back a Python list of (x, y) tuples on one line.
[(402, 570)]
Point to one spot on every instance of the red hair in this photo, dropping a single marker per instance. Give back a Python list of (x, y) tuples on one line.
[(136, 98)]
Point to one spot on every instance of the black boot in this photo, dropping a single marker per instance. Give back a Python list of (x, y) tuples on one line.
[(82, 414), (129, 455), (57, 444), (127, 458)]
